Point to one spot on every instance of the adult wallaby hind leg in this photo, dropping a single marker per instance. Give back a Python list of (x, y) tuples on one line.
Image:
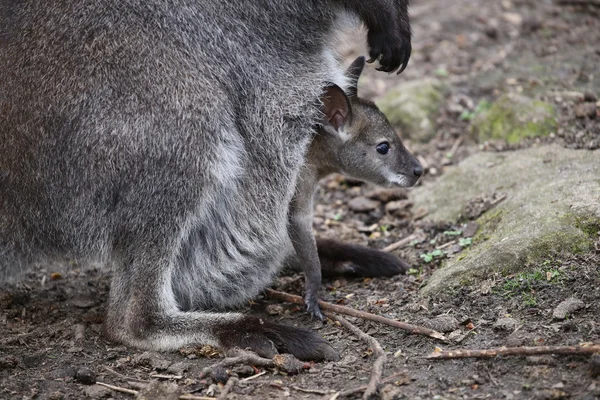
[(121, 139)]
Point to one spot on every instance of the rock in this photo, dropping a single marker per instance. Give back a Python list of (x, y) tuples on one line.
[(398, 207), (386, 195), (506, 324), (97, 392), (470, 229), (541, 211), (390, 392), (8, 362), (514, 117), (159, 390), (567, 308), (153, 360), (83, 301), (413, 106), (442, 323), (362, 204), (585, 110), (178, 368), (595, 365), (518, 339), (86, 376), (275, 309), (590, 97)]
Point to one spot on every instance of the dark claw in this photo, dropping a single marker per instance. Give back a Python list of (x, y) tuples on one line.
[(312, 307)]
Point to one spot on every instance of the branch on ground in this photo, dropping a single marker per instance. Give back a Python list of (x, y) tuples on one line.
[(515, 351), (380, 359), (418, 330)]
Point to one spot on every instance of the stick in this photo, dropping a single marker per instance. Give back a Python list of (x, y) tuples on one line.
[(159, 376), (227, 389), (399, 243), (377, 372), (515, 351), (312, 391), (244, 358), (192, 397), (363, 388), (134, 392), (253, 377), (419, 330), (118, 388), (594, 3)]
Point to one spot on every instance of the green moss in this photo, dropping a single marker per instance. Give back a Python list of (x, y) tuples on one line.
[(514, 118), (589, 225), (488, 223)]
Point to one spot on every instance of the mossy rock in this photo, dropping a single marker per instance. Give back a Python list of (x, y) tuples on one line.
[(514, 117), (552, 205), (413, 107)]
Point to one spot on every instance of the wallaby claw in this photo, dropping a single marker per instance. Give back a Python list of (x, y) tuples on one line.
[(312, 307)]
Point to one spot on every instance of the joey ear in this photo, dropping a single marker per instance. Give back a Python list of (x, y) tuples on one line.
[(337, 107), (353, 73)]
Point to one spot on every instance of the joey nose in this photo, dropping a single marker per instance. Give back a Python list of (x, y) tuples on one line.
[(418, 171)]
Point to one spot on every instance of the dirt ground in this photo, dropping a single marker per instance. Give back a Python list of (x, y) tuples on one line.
[(51, 345)]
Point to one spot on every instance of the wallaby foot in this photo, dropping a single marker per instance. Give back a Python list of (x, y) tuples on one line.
[(339, 258), (145, 314), (268, 338), (311, 299)]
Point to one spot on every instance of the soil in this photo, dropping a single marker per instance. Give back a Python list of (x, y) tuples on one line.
[(51, 344)]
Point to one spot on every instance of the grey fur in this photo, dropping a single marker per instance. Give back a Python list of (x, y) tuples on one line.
[(164, 139), (349, 149)]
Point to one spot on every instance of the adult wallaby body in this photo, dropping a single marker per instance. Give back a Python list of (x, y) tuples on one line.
[(164, 139), (354, 139)]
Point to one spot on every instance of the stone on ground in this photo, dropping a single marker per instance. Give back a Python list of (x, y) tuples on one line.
[(551, 203)]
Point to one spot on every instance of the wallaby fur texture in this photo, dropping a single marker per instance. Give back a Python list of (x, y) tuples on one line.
[(354, 139), (164, 139)]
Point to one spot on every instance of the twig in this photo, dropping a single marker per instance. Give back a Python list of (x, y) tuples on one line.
[(253, 377), (118, 388), (192, 397), (399, 243), (335, 396), (515, 351), (159, 376), (363, 388), (231, 382), (380, 359), (419, 330), (313, 391), (134, 392), (594, 3), (124, 377), (245, 358), (455, 146)]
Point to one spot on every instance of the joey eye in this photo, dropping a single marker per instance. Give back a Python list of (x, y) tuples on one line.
[(383, 148)]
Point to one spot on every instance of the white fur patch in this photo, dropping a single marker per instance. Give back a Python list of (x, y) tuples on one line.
[(345, 136)]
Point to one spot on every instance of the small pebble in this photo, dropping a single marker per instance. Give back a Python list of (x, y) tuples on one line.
[(86, 376), (567, 308)]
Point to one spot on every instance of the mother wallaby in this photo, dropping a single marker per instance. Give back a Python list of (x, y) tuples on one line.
[(163, 138)]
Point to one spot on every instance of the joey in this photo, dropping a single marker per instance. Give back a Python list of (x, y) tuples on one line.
[(355, 139)]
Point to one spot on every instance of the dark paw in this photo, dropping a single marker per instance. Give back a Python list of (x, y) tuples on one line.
[(312, 306), (267, 339), (391, 50)]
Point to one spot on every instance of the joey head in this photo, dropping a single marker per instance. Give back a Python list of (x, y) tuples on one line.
[(355, 139)]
